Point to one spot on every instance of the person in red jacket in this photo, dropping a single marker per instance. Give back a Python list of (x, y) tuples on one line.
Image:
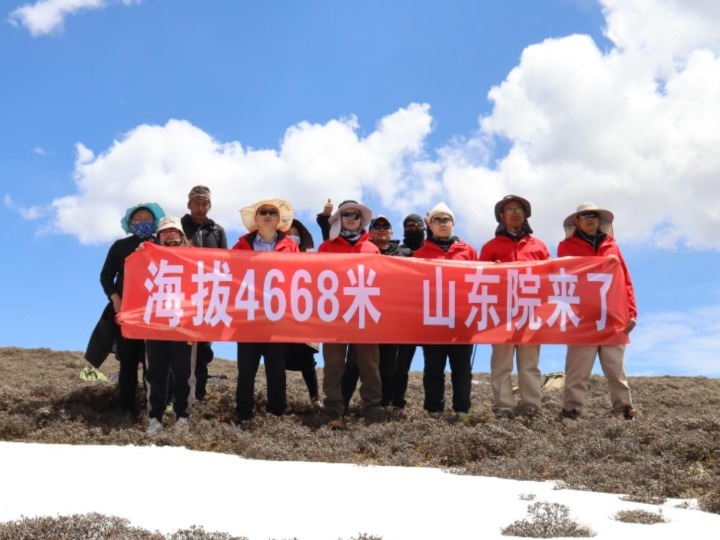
[(445, 245), (514, 242), (589, 233), (267, 221), (348, 235)]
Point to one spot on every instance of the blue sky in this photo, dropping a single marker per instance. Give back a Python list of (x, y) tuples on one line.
[(107, 103)]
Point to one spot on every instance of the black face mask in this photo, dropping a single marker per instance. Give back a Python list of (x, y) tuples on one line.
[(414, 239)]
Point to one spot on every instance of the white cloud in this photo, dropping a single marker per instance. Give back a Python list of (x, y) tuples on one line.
[(632, 128), (314, 162), (39, 151), (678, 343), (48, 16), (29, 213)]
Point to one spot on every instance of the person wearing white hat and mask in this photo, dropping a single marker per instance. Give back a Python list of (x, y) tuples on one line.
[(514, 241), (268, 222), (169, 363), (348, 235), (588, 232), (443, 244)]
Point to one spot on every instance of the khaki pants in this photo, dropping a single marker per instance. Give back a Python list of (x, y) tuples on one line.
[(368, 361), (578, 366), (529, 376)]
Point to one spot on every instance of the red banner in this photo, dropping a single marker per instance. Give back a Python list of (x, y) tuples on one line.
[(193, 294)]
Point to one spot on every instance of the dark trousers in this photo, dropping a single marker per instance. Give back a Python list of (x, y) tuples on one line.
[(402, 369), (301, 358), (205, 355), (248, 361), (436, 357), (395, 363), (130, 353), (165, 358)]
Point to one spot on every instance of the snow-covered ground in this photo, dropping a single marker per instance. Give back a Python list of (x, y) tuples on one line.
[(167, 488)]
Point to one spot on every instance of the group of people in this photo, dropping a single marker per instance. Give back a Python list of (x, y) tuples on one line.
[(177, 371)]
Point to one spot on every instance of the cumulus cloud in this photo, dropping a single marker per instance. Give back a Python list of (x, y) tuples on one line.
[(314, 162), (48, 16), (632, 128)]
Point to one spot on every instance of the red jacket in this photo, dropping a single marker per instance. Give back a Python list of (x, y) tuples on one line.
[(340, 245), (459, 251), (576, 247), (284, 243), (504, 249)]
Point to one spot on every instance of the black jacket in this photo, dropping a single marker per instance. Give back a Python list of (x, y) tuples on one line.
[(394, 249), (113, 271), (209, 234)]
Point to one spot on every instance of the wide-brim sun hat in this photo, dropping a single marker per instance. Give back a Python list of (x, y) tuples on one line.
[(606, 216), (346, 206), (606, 219), (284, 208), (154, 208), (510, 198)]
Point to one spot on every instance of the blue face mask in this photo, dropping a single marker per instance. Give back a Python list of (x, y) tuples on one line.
[(143, 229)]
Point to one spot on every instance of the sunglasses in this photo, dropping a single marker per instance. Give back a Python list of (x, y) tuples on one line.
[(381, 227), (200, 190), (351, 215), (441, 220), (589, 215), (517, 210), (265, 212)]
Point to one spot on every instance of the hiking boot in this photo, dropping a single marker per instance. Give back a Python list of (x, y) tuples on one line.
[(463, 418), (155, 427), (182, 423), (336, 421), (244, 425), (572, 414), (629, 412), (504, 415), (435, 414), (531, 411)]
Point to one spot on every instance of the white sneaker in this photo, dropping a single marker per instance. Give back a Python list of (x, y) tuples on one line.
[(182, 423), (154, 427)]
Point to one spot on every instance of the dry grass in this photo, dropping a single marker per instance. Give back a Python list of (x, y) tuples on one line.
[(670, 450)]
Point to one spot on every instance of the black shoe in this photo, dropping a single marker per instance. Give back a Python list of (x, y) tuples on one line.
[(629, 412), (573, 414)]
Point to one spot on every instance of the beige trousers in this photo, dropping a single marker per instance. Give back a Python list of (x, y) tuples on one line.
[(368, 361), (529, 376), (578, 366)]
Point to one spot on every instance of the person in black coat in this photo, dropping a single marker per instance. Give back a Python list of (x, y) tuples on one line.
[(140, 222)]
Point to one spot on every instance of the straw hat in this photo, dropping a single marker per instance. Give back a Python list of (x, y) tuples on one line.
[(283, 207)]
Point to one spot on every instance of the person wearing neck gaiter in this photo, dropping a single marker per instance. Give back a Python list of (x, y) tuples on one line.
[(268, 222), (445, 245), (347, 235), (140, 222), (589, 233), (514, 242)]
